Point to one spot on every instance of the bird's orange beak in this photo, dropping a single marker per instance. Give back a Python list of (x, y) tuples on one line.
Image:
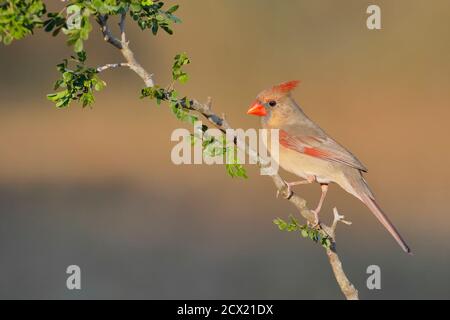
[(257, 109)]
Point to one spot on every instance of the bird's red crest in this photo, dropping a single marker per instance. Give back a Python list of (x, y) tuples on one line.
[(286, 87)]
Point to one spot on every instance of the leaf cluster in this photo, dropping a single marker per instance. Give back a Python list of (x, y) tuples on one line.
[(180, 60), (78, 84), (218, 146), (315, 234), (233, 167), (78, 34), (54, 23), (150, 15)]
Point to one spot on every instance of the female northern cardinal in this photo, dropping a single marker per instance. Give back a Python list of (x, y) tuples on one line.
[(308, 152)]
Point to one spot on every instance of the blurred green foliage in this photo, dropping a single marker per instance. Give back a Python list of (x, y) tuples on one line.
[(19, 18)]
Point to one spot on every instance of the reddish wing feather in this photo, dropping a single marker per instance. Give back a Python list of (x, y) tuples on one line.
[(303, 145), (316, 152), (298, 145)]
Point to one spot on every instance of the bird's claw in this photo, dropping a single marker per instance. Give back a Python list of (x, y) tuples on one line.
[(316, 222)]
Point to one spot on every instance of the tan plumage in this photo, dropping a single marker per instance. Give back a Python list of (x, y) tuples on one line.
[(308, 152)]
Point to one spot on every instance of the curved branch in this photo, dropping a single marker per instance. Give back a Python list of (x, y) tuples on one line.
[(344, 283), (123, 46), (102, 20), (135, 66)]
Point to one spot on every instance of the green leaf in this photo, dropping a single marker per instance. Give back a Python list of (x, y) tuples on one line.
[(78, 45), (54, 23), (282, 225), (173, 9), (67, 76), (183, 78), (99, 85), (180, 60), (155, 26), (81, 56), (167, 29)]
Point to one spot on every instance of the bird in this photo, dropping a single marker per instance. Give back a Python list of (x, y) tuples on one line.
[(310, 153)]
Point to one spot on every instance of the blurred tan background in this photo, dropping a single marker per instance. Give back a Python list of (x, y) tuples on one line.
[(96, 187)]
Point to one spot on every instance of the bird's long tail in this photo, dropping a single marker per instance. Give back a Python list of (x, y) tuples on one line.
[(364, 194)]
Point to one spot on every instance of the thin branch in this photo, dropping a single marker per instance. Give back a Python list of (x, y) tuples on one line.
[(205, 109), (107, 34), (112, 65), (123, 37)]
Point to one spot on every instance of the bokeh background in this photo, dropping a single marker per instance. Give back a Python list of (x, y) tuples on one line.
[(96, 187)]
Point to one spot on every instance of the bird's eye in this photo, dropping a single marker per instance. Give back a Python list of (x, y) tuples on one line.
[(272, 103)]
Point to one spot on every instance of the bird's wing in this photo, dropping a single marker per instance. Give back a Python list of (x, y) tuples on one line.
[(322, 147)]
